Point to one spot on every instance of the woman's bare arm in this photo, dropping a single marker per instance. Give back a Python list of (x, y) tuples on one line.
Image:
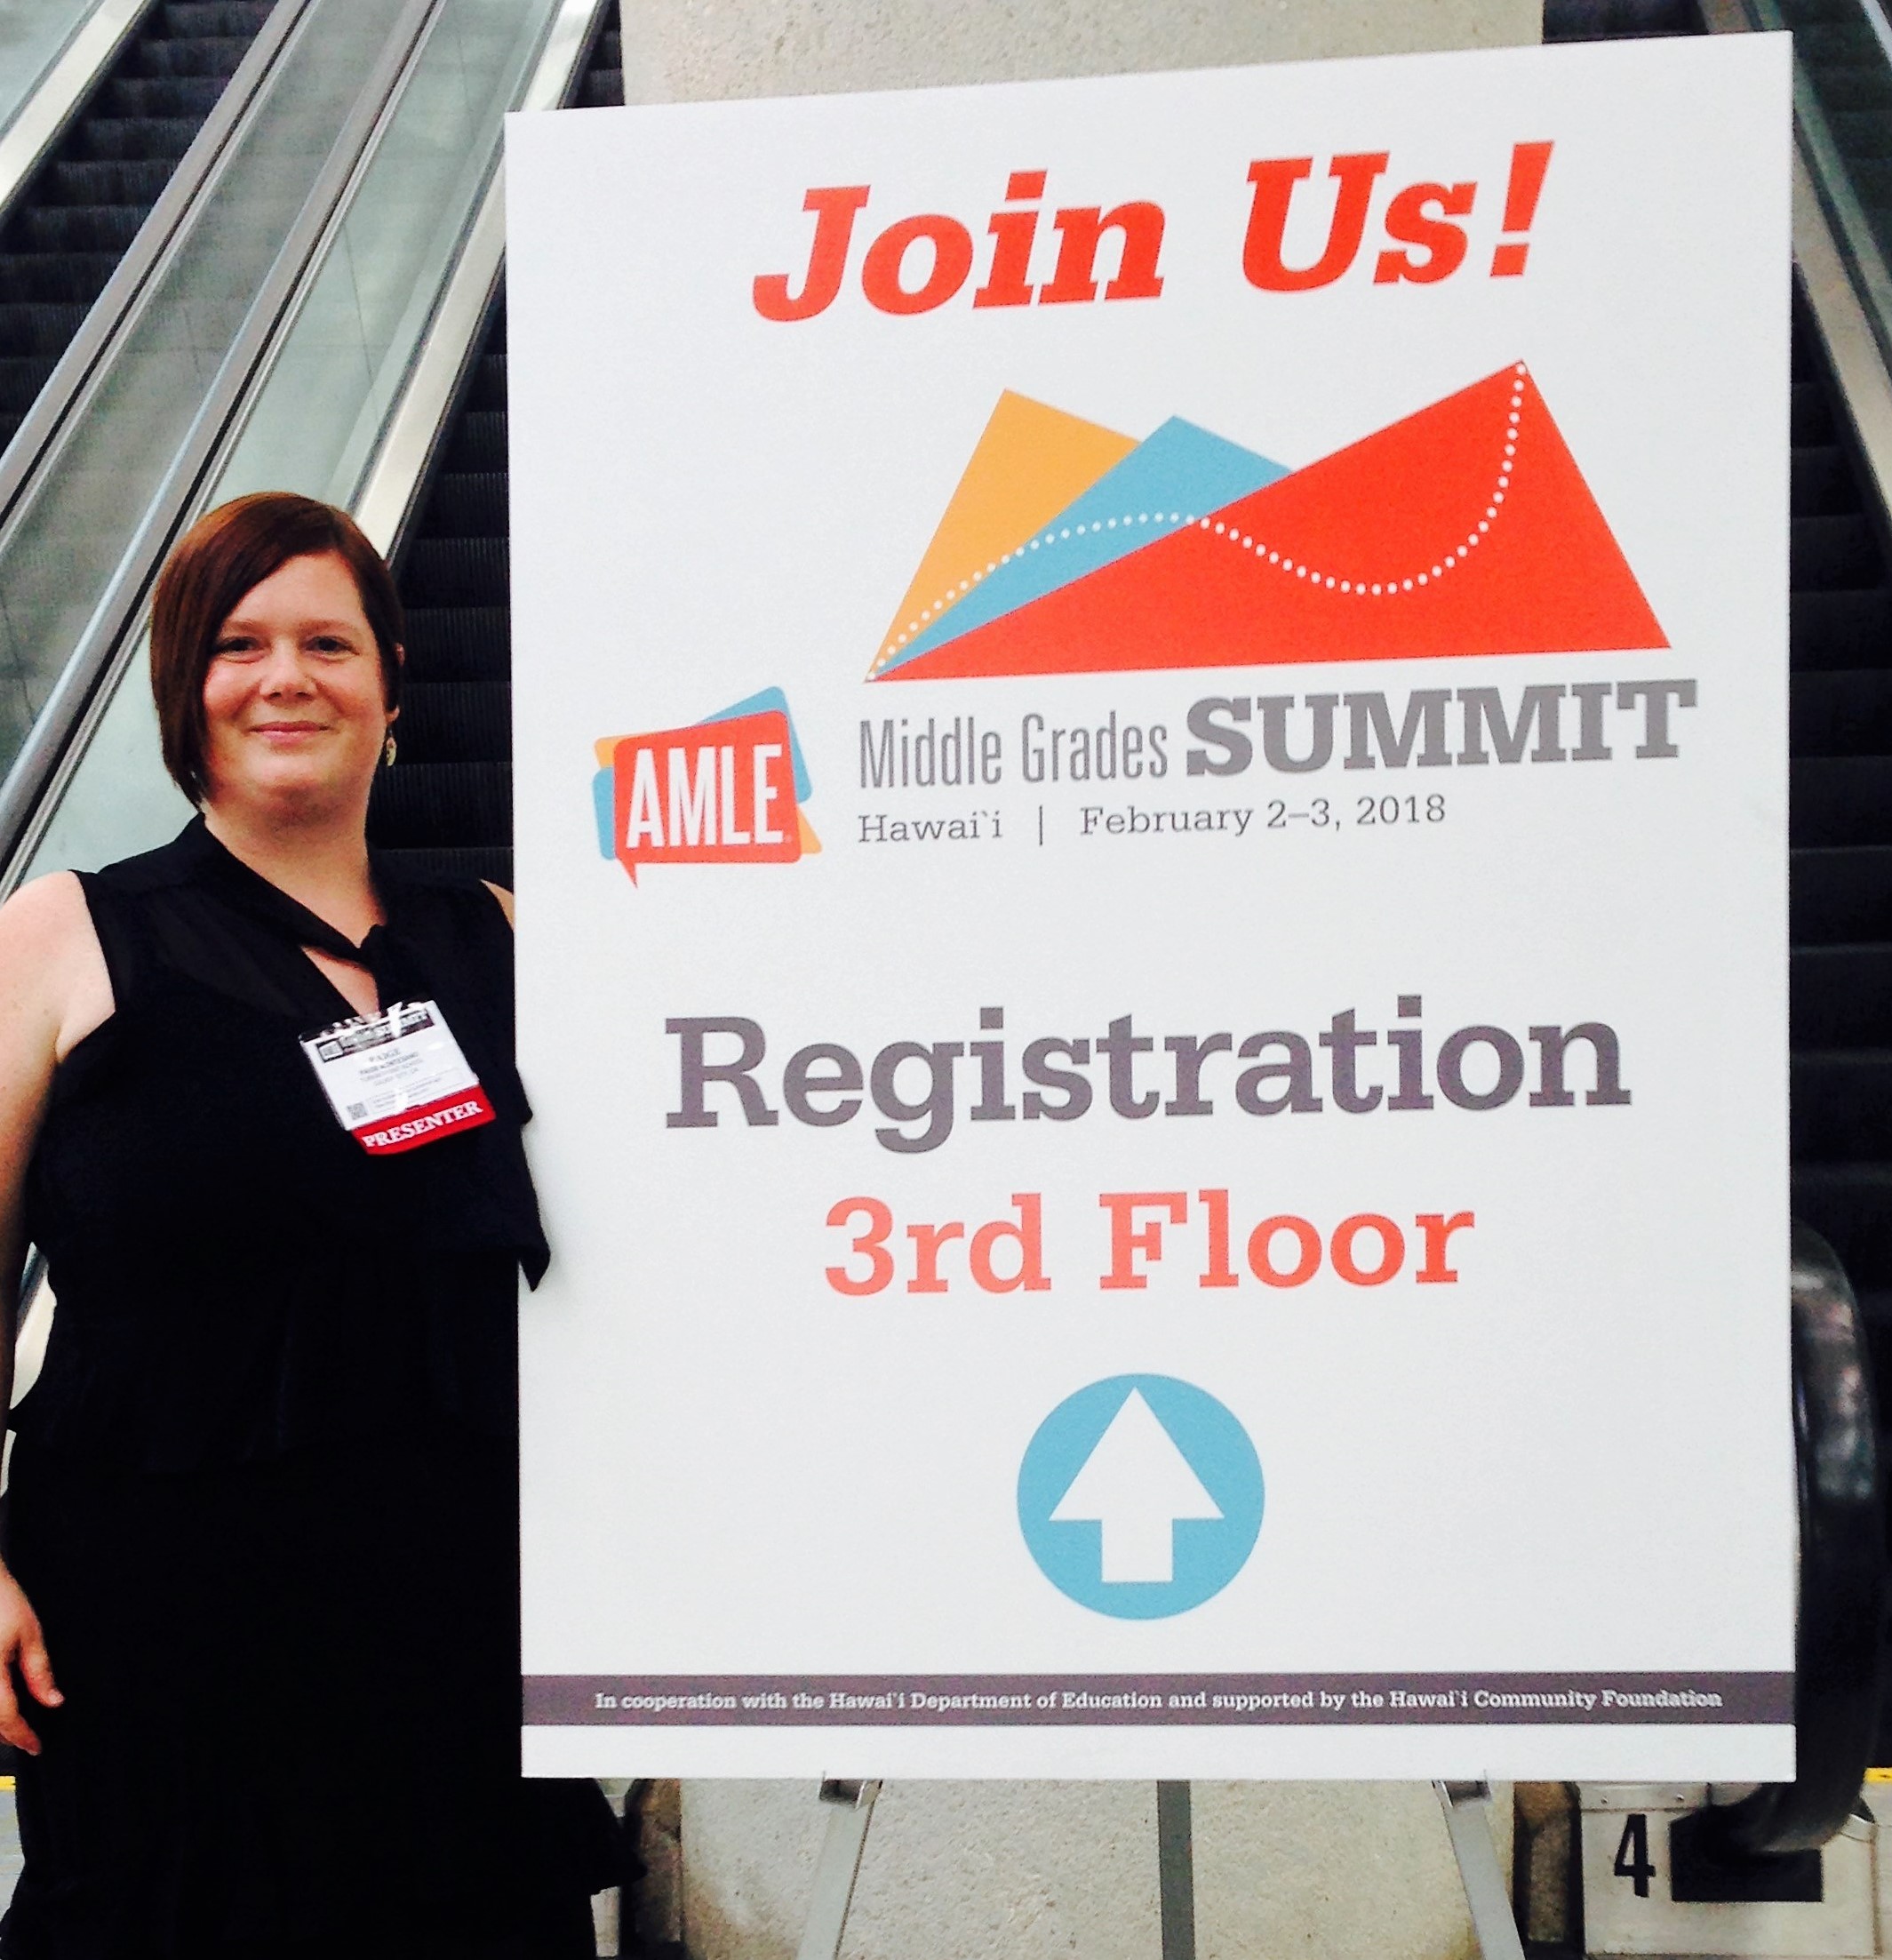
[(54, 990)]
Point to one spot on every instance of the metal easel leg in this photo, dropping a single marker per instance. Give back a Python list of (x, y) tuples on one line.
[(1496, 1930), (837, 1868), (1175, 1871)]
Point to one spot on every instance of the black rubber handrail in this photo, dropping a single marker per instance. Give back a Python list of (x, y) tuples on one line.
[(1842, 1569)]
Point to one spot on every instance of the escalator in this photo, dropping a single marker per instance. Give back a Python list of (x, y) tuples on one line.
[(74, 218), (1840, 828), (447, 802)]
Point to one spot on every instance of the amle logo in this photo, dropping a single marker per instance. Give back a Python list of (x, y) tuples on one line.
[(725, 790)]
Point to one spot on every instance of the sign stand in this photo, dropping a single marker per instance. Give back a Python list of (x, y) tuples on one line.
[(1493, 1923), (838, 1867), (1464, 1805)]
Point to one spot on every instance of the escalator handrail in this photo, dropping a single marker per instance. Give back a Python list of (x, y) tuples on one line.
[(387, 501), (54, 742), (136, 276), (1843, 1568)]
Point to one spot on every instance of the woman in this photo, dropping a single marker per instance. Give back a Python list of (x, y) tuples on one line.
[(259, 1623)]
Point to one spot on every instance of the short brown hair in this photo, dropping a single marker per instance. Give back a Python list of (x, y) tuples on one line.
[(227, 553)]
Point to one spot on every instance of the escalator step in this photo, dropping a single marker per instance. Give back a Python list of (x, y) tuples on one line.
[(487, 388), (466, 504), (160, 95), (197, 54), (463, 571), (1843, 1106), (493, 862), (122, 183), (121, 139), (424, 805), (455, 721), (1841, 894), (460, 643), (75, 227), (21, 377), (54, 278), (478, 442), (1843, 711), (1809, 418), (46, 330), (1834, 554), (1841, 996), (602, 90), (1823, 482), (1840, 799), (1850, 1206), (1840, 630), (189, 20)]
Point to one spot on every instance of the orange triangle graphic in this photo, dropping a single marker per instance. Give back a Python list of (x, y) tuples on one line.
[(1465, 529), (1030, 462)]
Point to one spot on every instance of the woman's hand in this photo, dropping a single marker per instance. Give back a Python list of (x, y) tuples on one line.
[(23, 1658)]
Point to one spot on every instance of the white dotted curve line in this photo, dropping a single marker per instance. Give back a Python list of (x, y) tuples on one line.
[(1055, 536), (1361, 587), (1395, 586)]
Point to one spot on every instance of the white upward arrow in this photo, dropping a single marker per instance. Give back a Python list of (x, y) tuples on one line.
[(1135, 1482)]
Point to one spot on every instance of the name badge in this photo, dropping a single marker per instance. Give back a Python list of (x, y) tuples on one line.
[(396, 1080)]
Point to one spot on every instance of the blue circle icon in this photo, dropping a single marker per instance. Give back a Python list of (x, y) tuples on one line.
[(1140, 1497)]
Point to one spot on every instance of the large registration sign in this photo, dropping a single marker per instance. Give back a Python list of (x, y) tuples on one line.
[(1151, 863)]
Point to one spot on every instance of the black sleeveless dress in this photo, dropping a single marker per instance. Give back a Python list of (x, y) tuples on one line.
[(263, 1494)]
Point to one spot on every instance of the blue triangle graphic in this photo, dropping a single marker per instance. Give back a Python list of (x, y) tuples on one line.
[(1181, 472)]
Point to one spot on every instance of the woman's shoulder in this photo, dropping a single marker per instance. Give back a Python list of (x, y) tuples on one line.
[(50, 952), (45, 919)]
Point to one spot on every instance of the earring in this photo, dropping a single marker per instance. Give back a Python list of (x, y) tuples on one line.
[(389, 750)]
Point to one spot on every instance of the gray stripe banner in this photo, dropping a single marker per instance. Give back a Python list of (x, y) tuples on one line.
[(1232, 1700)]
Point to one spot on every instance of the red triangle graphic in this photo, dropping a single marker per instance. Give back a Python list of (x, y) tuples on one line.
[(1470, 518)]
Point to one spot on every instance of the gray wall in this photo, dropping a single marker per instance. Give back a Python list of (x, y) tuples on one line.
[(685, 51)]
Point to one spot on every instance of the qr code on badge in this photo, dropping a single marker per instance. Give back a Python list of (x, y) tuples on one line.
[(357, 1111)]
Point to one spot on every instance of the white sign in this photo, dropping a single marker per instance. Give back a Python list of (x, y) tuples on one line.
[(1152, 865)]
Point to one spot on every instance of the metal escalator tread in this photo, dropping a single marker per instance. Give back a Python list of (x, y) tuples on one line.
[(65, 232), (446, 803)]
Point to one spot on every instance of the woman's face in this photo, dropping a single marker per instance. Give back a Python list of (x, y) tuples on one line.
[(294, 713)]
